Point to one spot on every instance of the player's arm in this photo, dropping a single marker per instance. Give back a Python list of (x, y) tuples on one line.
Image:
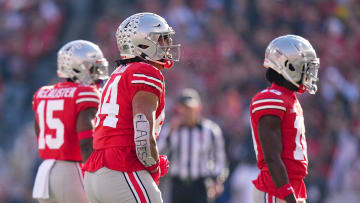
[(84, 128), (36, 127), (144, 106), (269, 129)]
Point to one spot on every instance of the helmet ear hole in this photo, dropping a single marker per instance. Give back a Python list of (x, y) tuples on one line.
[(286, 63), (92, 69), (291, 67), (76, 71), (143, 46)]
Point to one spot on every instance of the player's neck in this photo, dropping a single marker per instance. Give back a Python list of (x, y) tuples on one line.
[(288, 85), (156, 65)]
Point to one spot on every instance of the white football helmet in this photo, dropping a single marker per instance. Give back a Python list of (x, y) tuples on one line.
[(295, 59), (82, 61), (147, 35)]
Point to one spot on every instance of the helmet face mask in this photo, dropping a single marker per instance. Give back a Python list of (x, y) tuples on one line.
[(83, 62), (310, 77), (99, 70), (165, 48), (294, 58), (147, 35)]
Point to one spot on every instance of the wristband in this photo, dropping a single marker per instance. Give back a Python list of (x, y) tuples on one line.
[(285, 190), (85, 134), (153, 167)]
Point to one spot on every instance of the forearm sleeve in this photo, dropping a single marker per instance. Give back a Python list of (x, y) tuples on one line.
[(142, 134)]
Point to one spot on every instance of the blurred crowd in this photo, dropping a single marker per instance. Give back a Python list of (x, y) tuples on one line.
[(223, 44)]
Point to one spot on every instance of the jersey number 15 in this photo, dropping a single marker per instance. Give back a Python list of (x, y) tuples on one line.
[(52, 123)]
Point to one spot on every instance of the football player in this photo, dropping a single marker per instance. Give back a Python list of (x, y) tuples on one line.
[(277, 120), (64, 114), (125, 165)]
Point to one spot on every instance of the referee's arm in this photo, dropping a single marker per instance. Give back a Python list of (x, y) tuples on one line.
[(215, 185), (220, 155), (164, 140)]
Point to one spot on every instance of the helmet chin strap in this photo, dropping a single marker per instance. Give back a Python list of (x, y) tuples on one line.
[(166, 64), (302, 89)]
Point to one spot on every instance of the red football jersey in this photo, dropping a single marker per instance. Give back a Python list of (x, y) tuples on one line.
[(56, 109), (281, 102), (114, 145)]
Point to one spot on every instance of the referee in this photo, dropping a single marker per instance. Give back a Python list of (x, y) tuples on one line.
[(195, 147)]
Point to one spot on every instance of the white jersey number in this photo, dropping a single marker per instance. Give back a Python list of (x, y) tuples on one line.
[(53, 123), (111, 108), (300, 140)]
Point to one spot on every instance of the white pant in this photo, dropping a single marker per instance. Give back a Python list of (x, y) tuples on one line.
[(110, 186), (263, 197), (65, 184)]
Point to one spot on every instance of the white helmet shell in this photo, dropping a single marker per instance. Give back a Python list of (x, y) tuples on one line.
[(82, 61), (146, 35), (295, 59)]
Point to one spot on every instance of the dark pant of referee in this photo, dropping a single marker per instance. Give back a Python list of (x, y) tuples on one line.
[(193, 191)]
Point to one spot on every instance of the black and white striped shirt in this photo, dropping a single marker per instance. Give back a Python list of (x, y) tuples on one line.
[(194, 152)]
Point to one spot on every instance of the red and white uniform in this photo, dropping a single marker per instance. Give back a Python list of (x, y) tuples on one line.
[(56, 109), (281, 102), (114, 145)]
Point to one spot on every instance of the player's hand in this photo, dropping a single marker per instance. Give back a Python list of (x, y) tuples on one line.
[(164, 165), (215, 190), (290, 198)]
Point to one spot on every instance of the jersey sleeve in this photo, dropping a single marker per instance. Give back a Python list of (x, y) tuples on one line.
[(87, 97), (147, 78), (267, 104)]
